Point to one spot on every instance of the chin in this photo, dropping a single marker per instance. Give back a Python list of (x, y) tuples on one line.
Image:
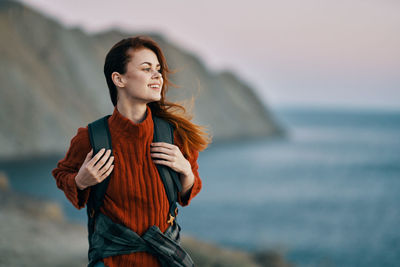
[(156, 99)]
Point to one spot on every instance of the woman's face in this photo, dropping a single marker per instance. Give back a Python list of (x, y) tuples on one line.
[(143, 80)]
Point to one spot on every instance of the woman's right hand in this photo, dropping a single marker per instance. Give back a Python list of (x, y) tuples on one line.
[(93, 170)]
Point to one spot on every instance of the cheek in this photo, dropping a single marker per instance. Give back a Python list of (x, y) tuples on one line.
[(137, 78)]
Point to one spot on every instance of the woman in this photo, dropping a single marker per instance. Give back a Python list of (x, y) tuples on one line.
[(136, 74)]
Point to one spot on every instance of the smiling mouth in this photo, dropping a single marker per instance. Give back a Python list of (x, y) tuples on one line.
[(154, 86)]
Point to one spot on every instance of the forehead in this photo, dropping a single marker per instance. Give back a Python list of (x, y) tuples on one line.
[(141, 55)]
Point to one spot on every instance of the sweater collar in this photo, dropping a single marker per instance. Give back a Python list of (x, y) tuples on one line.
[(121, 124)]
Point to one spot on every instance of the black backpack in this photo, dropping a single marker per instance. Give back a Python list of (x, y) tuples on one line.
[(99, 134)]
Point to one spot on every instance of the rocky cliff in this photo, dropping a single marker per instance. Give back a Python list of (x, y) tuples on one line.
[(52, 82)]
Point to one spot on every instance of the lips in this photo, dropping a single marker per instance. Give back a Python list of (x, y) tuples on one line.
[(154, 84)]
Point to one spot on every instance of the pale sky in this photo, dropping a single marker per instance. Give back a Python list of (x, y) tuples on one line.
[(310, 52)]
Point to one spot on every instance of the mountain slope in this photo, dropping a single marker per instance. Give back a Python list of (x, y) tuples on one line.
[(52, 82)]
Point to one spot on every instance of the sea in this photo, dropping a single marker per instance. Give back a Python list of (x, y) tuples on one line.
[(325, 194)]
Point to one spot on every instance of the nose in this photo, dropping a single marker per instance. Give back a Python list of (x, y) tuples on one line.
[(157, 74)]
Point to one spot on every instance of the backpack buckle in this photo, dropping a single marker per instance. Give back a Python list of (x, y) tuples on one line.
[(170, 219)]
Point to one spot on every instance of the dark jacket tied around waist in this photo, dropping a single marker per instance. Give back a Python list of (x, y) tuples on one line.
[(111, 239)]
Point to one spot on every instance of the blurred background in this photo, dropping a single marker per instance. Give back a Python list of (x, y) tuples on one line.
[(302, 99)]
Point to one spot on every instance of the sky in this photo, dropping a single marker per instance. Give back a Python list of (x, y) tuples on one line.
[(341, 53)]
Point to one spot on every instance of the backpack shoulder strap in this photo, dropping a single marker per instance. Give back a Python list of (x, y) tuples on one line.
[(164, 132), (100, 137)]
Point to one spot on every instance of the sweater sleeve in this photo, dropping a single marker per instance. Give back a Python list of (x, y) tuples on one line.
[(195, 189), (68, 167)]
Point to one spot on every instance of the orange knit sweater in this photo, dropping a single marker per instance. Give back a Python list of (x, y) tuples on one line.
[(135, 196)]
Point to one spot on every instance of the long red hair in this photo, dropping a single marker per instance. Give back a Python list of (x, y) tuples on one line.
[(192, 136)]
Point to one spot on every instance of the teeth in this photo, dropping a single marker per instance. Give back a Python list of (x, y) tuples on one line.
[(154, 86)]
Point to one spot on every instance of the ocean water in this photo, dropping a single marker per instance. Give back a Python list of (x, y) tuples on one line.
[(326, 195)]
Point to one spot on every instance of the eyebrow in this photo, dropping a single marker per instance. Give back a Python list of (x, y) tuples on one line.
[(149, 63)]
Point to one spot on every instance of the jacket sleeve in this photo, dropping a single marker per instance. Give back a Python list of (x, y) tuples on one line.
[(195, 189), (68, 167)]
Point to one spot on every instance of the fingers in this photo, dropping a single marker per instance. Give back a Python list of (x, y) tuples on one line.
[(102, 161), (95, 162), (95, 158), (162, 156), (169, 151), (88, 156), (165, 162), (107, 173), (163, 144), (105, 168)]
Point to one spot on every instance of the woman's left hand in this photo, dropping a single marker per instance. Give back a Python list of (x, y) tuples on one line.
[(171, 156)]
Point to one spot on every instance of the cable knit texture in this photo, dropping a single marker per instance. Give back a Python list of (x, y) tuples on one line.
[(135, 196)]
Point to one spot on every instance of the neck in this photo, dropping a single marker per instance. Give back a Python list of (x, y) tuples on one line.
[(134, 112)]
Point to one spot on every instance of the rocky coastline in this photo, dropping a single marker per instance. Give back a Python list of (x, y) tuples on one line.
[(35, 232)]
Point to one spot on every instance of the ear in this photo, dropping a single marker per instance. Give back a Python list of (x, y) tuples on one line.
[(118, 79)]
